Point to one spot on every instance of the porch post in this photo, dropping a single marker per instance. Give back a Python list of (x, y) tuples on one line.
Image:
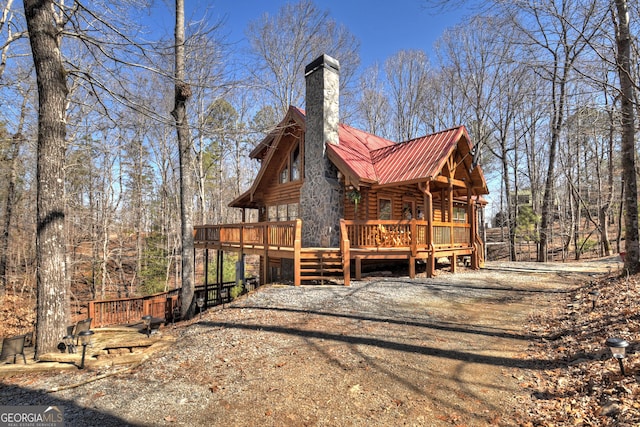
[(414, 248), (450, 213), (428, 214), (475, 259), (472, 229), (345, 248), (453, 258)]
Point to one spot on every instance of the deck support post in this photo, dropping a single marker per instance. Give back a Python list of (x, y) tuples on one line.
[(412, 267), (219, 275), (431, 263), (206, 277), (264, 274), (346, 265), (297, 249)]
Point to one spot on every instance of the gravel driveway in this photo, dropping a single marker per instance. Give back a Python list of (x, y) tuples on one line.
[(384, 351)]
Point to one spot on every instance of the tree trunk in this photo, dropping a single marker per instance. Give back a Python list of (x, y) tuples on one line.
[(546, 215), (10, 199), (179, 113), (13, 157), (52, 315), (604, 213), (623, 59)]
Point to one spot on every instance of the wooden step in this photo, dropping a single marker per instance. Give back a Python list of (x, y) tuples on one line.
[(306, 264), (325, 273), (320, 264), (318, 278)]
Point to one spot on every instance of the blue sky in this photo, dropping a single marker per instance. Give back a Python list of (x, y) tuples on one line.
[(383, 27)]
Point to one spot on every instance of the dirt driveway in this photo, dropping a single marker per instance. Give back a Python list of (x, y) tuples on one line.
[(383, 352)]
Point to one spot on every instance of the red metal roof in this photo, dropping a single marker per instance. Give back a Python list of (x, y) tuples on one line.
[(381, 161), (355, 150), (417, 159), (369, 158)]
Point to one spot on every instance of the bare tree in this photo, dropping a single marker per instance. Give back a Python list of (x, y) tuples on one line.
[(373, 105), (45, 26), (12, 158), (556, 35), (284, 44), (6, 25), (623, 63), (407, 75), (483, 61), (185, 148)]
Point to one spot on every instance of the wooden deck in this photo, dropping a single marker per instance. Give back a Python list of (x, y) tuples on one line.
[(361, 240)]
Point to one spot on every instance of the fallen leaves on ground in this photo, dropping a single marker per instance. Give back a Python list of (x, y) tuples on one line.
[(17, 315), (581, 384)]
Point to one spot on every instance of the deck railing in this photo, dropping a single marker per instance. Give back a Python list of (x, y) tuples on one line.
[(215, 294), (124, 311), (361, 234), (388, 233), (451, 234), (259, 234), (283, 234), (163, 305)]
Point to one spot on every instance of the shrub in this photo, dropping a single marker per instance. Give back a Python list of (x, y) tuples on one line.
[(236, 291)]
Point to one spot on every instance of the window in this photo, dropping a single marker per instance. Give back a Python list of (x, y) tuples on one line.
[(284, 175), (384, 209), (407, 210), (283, 212), (273, 213), (291, 169), (295, 164), (293, 211), (459, 214)]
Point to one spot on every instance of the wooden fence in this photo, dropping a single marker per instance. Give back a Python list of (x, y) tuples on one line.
[(123, 311), (163, 305)]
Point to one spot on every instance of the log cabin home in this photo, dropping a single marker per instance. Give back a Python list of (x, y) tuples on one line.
[(331, 198)]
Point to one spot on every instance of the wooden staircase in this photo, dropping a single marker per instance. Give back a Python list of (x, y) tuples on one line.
[(320, 264)]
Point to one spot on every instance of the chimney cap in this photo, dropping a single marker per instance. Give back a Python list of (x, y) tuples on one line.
[(325, 61)]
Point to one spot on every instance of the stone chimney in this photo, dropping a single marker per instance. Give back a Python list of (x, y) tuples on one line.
[(321, 194)]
